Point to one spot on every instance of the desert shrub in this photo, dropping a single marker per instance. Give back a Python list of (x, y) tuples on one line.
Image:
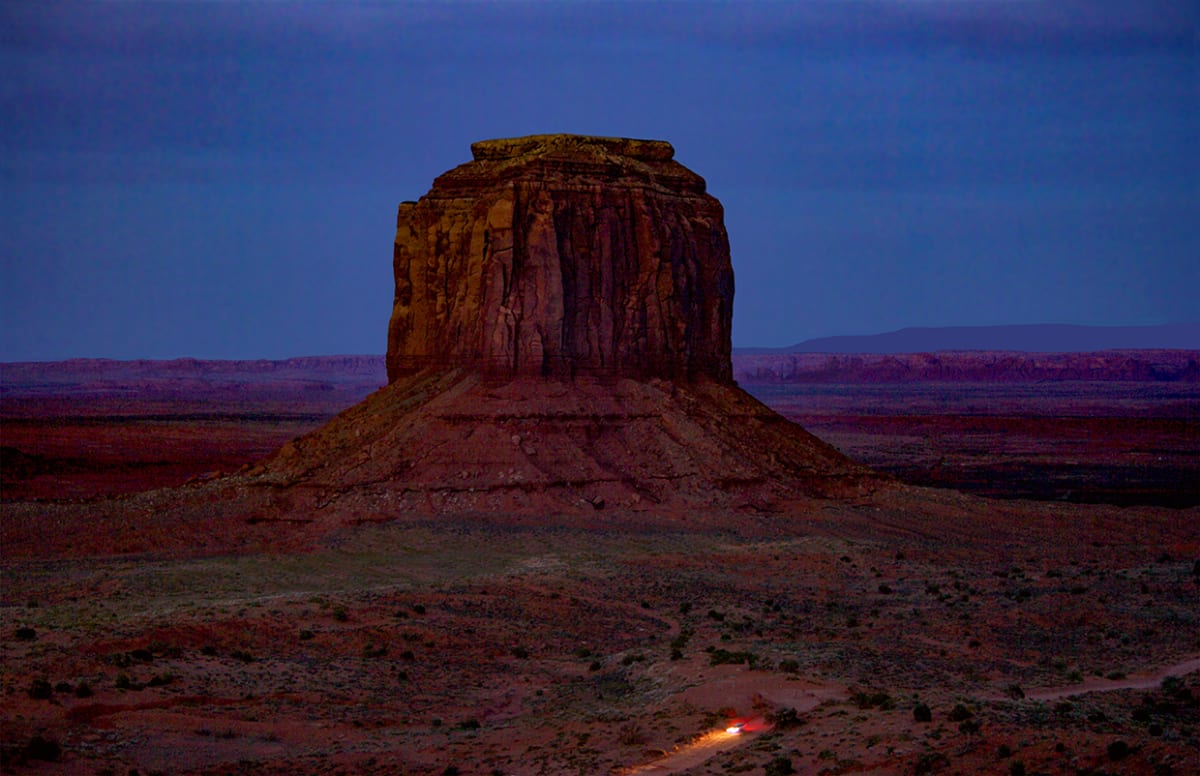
[(1118, 750), (418, 608), (631, 735), (677, 654), (742, 627), (885, 589), (161, 680), (784, 718), (520, 653), (171, 651), (123, 682), (789, 666), (83, 690), (208, 650), (142, 655), (876, 700), (451, 770), (922, 713), (582, 652), (469, 724), (931, 762), (722, 656), (629, 660), (780, 766), (242, 655), (306, 635), (370, 650), (680, 641), (969, 726), (120, 659), (1015, 692), (40, 748), (339, 614), (715, 615), (1004, 752), (960, 713), (685, 607), (40, 689), (25, 634), (1016, 768), (594, 665), (64, 687)]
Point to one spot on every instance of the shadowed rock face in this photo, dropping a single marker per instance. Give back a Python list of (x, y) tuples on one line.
[(560, 341), (562, 255)]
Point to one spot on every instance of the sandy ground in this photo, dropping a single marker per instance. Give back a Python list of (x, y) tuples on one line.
[(1041, 636), (465, 643)]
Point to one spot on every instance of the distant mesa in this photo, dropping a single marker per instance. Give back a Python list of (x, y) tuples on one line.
[(559, 339), (1030, 338)]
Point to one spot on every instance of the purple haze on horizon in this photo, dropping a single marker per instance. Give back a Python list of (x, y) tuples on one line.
[(220, 180)]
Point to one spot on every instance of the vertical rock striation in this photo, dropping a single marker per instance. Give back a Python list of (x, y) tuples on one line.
[(563, 255)]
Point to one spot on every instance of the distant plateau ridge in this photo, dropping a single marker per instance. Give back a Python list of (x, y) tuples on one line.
[(1033, 338), (346, 379)]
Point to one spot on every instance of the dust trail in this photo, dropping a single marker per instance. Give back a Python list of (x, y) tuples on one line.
[(701, 749)]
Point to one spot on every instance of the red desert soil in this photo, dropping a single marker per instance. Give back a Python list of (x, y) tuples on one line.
[(1043, 636)]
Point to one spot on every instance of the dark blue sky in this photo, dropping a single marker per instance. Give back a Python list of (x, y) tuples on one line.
[(219, 179)]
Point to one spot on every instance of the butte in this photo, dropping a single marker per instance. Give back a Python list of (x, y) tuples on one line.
[(560, 340)]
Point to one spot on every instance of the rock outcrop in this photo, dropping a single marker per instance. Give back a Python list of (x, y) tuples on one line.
[(560, 341), (564, 255)]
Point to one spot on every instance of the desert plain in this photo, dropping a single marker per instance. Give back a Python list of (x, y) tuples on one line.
[(1019, 592)]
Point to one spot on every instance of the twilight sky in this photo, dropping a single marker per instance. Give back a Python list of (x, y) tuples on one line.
[(220, 179)]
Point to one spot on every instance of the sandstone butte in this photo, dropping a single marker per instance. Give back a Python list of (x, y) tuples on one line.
[(559, 340)]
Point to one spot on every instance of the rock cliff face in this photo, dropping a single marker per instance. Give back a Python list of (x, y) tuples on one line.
[(562, 255)]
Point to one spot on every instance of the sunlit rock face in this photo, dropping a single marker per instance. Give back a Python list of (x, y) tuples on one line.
[(564, 255)]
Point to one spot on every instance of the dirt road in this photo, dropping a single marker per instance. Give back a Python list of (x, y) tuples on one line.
[(1140, 681)]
